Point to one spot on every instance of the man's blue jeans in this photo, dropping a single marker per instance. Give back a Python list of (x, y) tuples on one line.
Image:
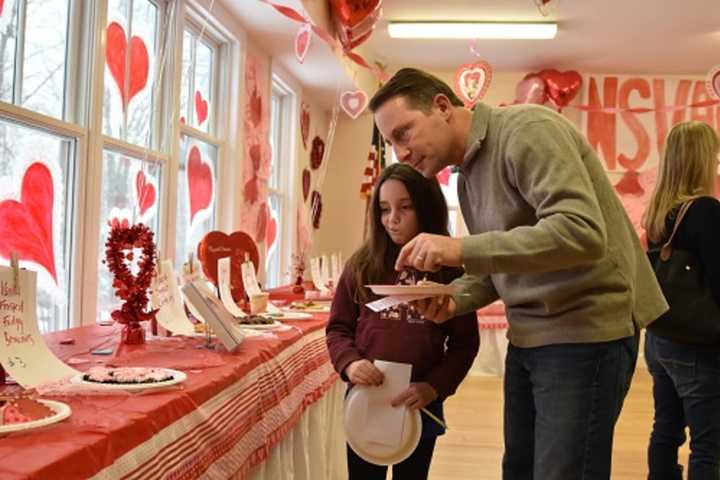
[(561, 405), (686, 389)]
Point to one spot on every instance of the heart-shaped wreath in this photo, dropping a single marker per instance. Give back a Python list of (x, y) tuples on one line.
[(131, 288)]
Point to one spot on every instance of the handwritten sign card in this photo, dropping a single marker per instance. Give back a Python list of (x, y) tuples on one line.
[(167, 298), (23, 351), (250, 279), (215, 314), (224, 285)]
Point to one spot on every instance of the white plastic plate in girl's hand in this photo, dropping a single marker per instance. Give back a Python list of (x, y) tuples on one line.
[(400, 290)]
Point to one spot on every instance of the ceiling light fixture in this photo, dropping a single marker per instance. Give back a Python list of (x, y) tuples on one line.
[(497, 30)]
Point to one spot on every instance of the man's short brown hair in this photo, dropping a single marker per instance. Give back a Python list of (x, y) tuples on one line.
[(418, 87)]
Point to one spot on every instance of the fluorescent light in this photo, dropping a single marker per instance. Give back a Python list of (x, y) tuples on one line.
[(504, 30)]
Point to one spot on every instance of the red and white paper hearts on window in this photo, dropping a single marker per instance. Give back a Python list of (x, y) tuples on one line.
[(302, 41), (133, 81), (354, 103), (712, 82), (145, 191), (472, 81)]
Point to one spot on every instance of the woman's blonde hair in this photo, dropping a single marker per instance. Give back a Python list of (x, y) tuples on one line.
[(687, 170)]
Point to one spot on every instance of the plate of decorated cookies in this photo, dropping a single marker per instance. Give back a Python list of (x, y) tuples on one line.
[(129, 378), (23, 411)]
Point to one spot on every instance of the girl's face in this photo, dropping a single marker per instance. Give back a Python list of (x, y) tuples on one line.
[(397, 212)]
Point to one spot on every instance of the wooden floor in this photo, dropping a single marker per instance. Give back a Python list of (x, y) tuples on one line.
[(473, 447)]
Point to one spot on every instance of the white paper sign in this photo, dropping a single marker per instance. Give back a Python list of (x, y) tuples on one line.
[(167, 298), (250, 279), (391, 301), (225, 291), (23, 351), (215, 314), (384, 423)]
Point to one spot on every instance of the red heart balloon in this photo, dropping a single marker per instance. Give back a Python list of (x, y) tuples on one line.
[(26, 226), (355, 20), (562, 87), (145, 193), (531, 89), (138, 62), (305, 184), (200, 182), (201, 107), (216, 245)]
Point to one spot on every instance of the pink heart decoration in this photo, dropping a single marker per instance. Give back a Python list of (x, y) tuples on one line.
[(305, 123), (472, 81), (200, 183), (354, 103), (712, 82), (444, 176), (305, 184), (138, 62), (145, 192), (201, 107), (302, 41), (26, 226)]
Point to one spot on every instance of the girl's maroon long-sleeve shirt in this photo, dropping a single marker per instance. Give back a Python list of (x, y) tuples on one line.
[(441, 355)]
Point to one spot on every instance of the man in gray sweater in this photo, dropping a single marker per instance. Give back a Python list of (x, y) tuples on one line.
[(551, 239)]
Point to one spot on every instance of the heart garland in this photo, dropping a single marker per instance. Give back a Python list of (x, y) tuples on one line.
[(133, 289), (302, 41), (304, 123), (472, 81), (138, 62), (354, 103), (26, 226), (317, 152)]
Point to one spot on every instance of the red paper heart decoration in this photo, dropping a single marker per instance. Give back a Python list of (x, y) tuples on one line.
[(2, 5), (26, 226), (316, 153), (145, 191), (472, 81), (354, 103), (305, 123), (270, 229), (200, 183), (302, 41), (355, 20), (138, 62), (216, 245), (562, 87), (305, 184), (712, 82), (316, 208), (255, 106), (201, 107)]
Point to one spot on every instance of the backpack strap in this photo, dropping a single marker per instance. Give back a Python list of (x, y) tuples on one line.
[(666, 249)]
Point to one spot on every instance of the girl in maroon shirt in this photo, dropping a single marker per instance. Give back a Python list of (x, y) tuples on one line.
[(404, 204)]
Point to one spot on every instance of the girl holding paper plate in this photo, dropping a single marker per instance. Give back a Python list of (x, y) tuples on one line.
[(404, 204)]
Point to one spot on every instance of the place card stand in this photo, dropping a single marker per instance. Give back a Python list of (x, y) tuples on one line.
[(14, 264)]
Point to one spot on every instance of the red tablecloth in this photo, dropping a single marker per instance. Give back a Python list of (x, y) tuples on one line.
[(232, 410)]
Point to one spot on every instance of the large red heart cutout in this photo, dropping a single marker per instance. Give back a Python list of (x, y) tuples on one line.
[(201, 108), (305, 123), (26, 226), (200, 183), (354, 103), (302, 41), (562, 87), (216, 245), (305, 183), (472, 81), (145, 192), (138, 62)]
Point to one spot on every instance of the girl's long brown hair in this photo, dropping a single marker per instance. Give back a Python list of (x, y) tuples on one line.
[(374, 261), (687, 170)]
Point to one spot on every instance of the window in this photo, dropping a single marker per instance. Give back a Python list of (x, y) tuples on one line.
[(278, 240), (200, 146)]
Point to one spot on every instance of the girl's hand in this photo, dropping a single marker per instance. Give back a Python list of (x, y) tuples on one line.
[(363, 372), (417, 395)]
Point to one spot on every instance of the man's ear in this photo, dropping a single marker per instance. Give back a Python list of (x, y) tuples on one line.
[(442, 104)]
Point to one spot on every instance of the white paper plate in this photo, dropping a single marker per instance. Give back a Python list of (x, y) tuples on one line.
[(62, 411), (378, 453), (178, 377), (431, 290), (259, 326), (290, 315)]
